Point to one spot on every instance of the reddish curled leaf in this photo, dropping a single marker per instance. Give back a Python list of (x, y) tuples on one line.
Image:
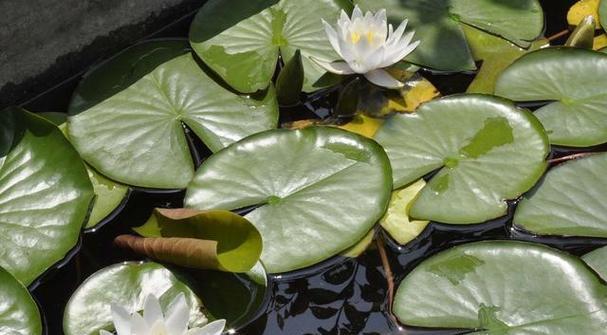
[(216, 239)]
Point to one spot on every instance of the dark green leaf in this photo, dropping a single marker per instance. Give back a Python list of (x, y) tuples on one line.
[(575, 79), (597, 260), (500, 288), (569, 201), (290, 81), (45, 195), (583, 35), (486, 150), (314, 192)]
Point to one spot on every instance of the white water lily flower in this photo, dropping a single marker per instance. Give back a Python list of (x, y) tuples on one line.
[(368, 44), (154, 322)]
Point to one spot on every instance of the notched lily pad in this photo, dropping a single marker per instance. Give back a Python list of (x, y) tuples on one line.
[(19, 314), (242, 39), (504, 287), (438, 24), (569, 201), (45, 195), (136, 136), (214, 239), (127, 285), (486, 150), (313, 192), (597, 260), (575, 83)]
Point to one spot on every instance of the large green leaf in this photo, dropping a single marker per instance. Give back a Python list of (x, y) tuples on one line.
[(575, 80), (127, 285), (597, 260), (136, 136), (123, 70), (242, 39), (487, 151), (215, 239), (438, 26), (315, 192), (109, 195), (19, 314), (501, 288), (569, 201), (45, 195)]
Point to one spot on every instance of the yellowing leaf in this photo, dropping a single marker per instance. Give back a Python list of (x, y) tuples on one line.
[(363, 125), (396, 221), (600, 42), (361, 246), (581, 9)]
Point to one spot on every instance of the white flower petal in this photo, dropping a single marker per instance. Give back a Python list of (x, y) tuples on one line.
[(357, 13), (383, 78), (122, 320), (403, 53), (152, 310), (344, 19), (213, 328), (104, 332), (396, 36), (332, 36), (138, 325), (334, 67), (177, 316)]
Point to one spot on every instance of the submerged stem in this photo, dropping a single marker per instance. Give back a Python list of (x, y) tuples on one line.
[(558, 35), (387, 270), (570, 157)]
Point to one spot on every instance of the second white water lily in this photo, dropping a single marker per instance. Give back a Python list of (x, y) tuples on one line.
[(154, 322), (368, 45)]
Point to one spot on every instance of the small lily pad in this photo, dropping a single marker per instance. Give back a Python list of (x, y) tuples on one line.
[(313, 192), (136, 136), (19, 313), (569, 201), (597, 260), (45, 195), (574, 81), (242, 39), (127, 285), (500, 287), (486, 151), (438, 25), (214, 239), (396, 221)]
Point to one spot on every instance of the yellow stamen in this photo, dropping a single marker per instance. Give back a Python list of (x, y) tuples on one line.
[(355, 37)]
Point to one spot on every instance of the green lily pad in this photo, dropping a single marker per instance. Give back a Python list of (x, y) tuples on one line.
[(597, 260), (569, 201), (438, 25), (45, 195), (241, 39), (123, 70), (512, 288), (214, 239), (127, 285), (397, 221), (136, 136), (315, 192), (486, 150), (603, 14), (109, 195), (575, 80), (19, 313)]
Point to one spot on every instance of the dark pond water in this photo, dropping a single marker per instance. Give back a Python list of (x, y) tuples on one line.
[(339, 296)]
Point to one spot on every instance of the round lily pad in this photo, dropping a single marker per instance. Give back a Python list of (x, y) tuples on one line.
[(438, 25), (569, 201), (19, 313), (500, 287), (597, 260), (313, 192), (574, 80), (242, 39), (486, 151), (109, 195), (127, 285), (45, 195), (136, 136)]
